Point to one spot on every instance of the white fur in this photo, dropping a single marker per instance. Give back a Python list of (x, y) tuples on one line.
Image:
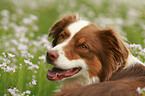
[(77, 26), (131, 61), (94, 80)]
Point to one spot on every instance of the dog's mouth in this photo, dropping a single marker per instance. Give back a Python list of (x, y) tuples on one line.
[(56, 74)]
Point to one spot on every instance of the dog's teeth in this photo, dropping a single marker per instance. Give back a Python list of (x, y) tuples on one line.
[(56, 74)]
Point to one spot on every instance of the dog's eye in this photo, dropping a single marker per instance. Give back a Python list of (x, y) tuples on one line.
[(83, 46), (62, 36)]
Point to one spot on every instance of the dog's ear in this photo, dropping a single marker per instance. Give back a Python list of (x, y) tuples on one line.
[(114, 52), (60, 25)]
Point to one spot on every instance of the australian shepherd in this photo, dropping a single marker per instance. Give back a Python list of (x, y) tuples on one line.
[(91, 61)]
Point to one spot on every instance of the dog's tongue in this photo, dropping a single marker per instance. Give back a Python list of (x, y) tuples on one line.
[(55, 71), (56, 74)]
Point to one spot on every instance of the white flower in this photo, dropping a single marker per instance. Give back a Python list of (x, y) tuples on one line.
[(8, 61), (22, 47), (33, 17), (24, 40), (10, 55), (4, 54), (5, 27), (43, 57), (8, 69), (27, 61), (4, 64), (20, 64), (27, 21), (14, 41), (29, 83), (29, 55), (139, 90), (5, 13), (35, 71), (33, 66), (34, 82), (28, 92), (16, 92), (13, 91)]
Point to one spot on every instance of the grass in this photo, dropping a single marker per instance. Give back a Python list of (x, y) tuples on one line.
[(24, 26)]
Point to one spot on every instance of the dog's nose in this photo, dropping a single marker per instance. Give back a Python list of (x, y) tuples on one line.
[(52, 55)]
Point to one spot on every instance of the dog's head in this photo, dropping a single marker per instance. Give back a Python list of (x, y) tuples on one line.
[(82, 50)]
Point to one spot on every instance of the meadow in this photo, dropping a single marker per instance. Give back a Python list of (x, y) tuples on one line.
[(24, 26)]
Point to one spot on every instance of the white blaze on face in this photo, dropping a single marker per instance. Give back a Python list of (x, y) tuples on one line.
[(76, 27), (62, 61)]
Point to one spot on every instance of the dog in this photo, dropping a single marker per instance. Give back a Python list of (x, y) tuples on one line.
[(92, 61)]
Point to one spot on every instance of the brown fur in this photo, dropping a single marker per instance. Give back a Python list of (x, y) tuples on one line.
[(114, 53), (122, 87)]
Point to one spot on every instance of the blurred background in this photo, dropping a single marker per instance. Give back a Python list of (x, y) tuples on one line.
[(24, 26)]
